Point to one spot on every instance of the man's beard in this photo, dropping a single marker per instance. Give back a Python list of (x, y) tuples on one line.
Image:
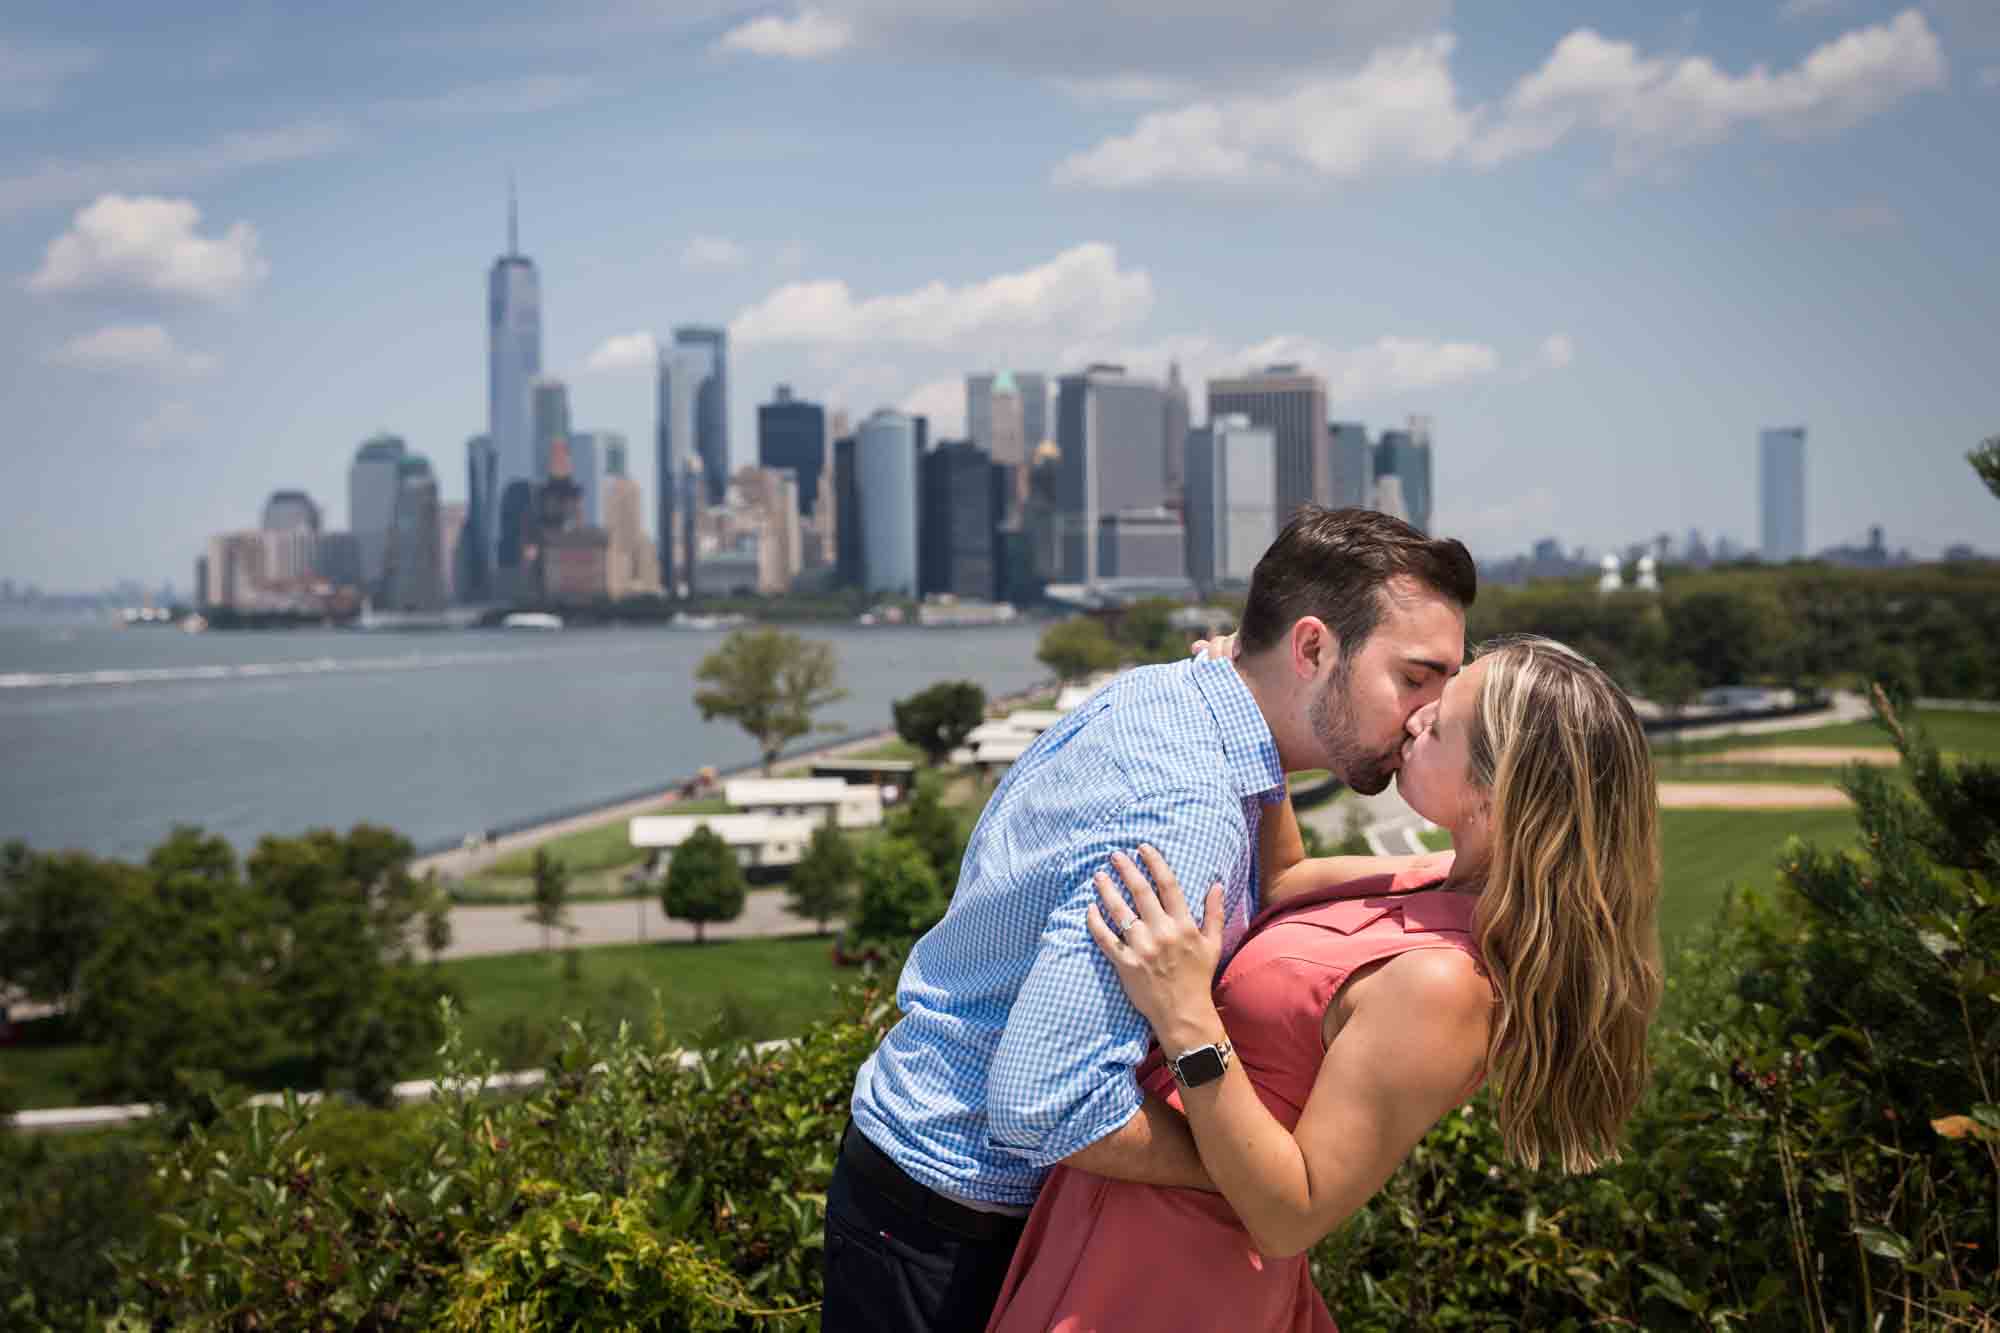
[(1333, 725)]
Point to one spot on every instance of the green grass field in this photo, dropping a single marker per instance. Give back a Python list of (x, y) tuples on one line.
[(1704, 852), (1955, 731), (514, 1005)]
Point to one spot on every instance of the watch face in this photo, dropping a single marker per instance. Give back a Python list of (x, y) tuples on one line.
[(1199, 1066)]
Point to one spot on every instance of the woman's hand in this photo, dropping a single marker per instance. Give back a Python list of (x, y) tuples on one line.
[(1222, 646), (1165, 961)]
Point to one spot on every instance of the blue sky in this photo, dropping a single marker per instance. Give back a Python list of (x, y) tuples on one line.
[(1601, 246)]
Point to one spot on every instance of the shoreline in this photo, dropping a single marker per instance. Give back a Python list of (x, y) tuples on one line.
[(457, 862)]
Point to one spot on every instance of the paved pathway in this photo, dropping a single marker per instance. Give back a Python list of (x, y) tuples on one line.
[(478, 931)]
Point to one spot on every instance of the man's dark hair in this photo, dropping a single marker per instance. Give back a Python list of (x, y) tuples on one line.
[(1334, 564)]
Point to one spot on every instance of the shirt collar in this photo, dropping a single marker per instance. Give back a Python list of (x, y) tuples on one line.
[(1247, 743)]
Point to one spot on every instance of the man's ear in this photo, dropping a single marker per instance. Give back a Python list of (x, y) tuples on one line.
[(1313, 646)]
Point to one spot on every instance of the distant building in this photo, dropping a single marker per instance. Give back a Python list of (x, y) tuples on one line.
[(288, 511), (791, 434), (886, 449), (1389, 497), (413, 566), (514, 360), (586, 469), (373, 481), (1405, 456), (337, 559), (551, 420), (766, 501), (1174, 461), (708, 352), (728, 571), (575, 566), (451, 538), (1231, 511), (959, 495), (1781, 492), (474, 575), (684, 373), (234, 571), (1029, 391), (1009, 443), (1148, 544), (1292, 403), (631, 567), (848, 562), (1111, 430), (617, 460), (1350, 466)]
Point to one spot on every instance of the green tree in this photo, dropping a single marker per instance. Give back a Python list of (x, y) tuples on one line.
[(1732, 632), (1985, 460), (900, 898), (704, 882), (769, 682), (437, 919), (927, 822), (1146, 630), (1076, 648), (54, 912), (938, 719), (822, 884), (1353, 833), (550, 903)]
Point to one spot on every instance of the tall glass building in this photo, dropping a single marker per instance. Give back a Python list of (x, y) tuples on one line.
[(514, 361), (1111, 428), (1293, 404), (550, 421), (709, 350), (371, 502), (1232, 519), (474, 575), (1351, 466), (791, 434), (682, 373), (413, 577), (1404, 456), (586, 469), (885, 484), (1781, 492)]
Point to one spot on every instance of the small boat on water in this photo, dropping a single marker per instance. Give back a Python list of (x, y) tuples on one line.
[(540, 620), (682, 620)]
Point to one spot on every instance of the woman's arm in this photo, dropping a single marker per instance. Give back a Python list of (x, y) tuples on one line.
[(1412, 1041)]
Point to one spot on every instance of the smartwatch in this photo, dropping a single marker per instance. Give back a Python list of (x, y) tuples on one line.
[(1203, 1064)]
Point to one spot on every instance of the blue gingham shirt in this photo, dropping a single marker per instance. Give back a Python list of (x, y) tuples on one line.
[(1017, 1044)]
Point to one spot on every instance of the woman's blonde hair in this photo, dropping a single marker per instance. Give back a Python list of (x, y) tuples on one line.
[(1568, 919)]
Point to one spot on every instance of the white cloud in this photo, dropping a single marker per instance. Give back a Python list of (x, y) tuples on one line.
[(710, 253), (810, 34), (150, 245), (61, 182), (1654, 107), (623, 353), (943, 402), (1131, 86), (33, 73), (792, 255), (170, 423), (132, 347), (1557, 351), (1401, 110), (1079, 292)]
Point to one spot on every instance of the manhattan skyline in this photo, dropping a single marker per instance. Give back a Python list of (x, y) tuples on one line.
[(1601, 248)]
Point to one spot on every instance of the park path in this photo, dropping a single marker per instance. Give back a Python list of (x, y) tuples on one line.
[(479, 931)]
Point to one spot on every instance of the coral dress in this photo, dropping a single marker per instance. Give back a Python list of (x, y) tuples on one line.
[(1104, 1254)]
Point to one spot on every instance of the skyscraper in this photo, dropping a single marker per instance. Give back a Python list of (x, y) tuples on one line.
[(372, 485), (848, 564), (791, 434), (1405, 457), (709, 348), (514, 360), (1781, 492), (616, 455), (682, 373), (959, 519), (474, 576), (451, 543), (1231, 514), (586, 469), (979, 410), (550, 419), (885, 483), (288, 511), (631, 567), (1111, 429), (1033, 387), (412, 573), (1293, 404), (1350, 466)]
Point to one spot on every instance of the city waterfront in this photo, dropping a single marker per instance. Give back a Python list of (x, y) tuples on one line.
[(113, 736)]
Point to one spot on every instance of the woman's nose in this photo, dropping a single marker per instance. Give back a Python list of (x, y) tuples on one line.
[(1415, 723)]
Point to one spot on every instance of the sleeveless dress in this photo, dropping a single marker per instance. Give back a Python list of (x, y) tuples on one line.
[(1106, 1255)]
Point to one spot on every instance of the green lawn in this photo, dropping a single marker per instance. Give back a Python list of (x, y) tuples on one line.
[(1706, 851), (515, 1005), (602, 848), (1955, 731)]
